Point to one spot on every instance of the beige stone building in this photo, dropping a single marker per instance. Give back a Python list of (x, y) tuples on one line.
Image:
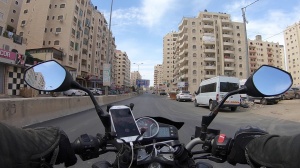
[(74, 29), (11, 49), (264, 53), (122, 71), (208, 45), (133, 77), (169, 47), (159, 78), (292, 44)]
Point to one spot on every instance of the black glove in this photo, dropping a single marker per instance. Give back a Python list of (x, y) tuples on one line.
[(242, 137), (66, 153)]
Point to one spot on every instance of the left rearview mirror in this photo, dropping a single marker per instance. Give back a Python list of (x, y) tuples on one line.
[(47, 76)]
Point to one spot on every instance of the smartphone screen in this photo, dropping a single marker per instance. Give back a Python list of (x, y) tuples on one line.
[(124, 123)]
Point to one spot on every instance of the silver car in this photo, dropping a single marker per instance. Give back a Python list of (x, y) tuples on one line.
[(184, 96)]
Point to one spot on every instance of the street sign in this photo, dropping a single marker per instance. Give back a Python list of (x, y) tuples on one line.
[(106, 74)]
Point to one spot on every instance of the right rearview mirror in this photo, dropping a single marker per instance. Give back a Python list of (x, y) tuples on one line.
[(268, 81)]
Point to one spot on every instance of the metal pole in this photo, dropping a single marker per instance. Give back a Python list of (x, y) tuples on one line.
[(108, 45), (246, 43)]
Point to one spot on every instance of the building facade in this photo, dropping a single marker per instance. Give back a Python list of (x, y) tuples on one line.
[(169, 46), (123, 66), (292, 44), (76, 28), (264, 53), (208, 45), (158, 78), (133, 77)]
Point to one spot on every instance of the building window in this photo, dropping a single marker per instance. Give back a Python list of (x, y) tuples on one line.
[(14, 11), (194, 55), (25, 11), (194, 47), (28, 1), (16, 2), (60, 17), (12, 20), (58, 29), (193, 31), (194, 38), (45, 30), (239, 42), (194, 80), (194, 72), (62, 5), (241, 65), (56, 42), (71, 44), (194, 63), (49, 42), (240, 57), (23, 22), (70, 58), (241, 73), (193, 23), (237, 27), (238, 34)]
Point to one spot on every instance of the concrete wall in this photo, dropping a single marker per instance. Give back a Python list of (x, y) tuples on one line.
[(26, 111)]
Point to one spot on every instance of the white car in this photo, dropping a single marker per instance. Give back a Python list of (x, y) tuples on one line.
[(184, 96), (74, 92)]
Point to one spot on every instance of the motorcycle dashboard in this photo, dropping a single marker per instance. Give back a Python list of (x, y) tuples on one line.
[(157, 131)]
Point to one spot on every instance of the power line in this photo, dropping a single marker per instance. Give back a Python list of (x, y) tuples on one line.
[(281, 32)]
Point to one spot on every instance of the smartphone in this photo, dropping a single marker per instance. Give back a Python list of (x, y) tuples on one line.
[(124, 124)]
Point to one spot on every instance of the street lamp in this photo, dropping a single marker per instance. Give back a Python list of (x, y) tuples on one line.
[(138, 64)]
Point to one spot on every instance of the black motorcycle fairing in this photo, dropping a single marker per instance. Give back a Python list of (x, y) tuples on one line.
[(176, 124)]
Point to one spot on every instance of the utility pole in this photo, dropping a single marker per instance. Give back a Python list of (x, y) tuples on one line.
[(108, 47)]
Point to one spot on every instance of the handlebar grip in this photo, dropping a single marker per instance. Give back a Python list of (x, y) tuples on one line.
[(86, 146)]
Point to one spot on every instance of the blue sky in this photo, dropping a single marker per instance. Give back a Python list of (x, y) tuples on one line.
[(140, 25)]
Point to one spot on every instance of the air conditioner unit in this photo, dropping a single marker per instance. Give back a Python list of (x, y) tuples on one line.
[(22, 25), (60, 48), (61, 20), (56, 33)]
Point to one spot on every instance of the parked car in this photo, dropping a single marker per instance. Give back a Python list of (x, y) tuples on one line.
[(162, 93), (265, 100), (184, 96), (96, 91), (74, 92), (297, 92), (290, 94)]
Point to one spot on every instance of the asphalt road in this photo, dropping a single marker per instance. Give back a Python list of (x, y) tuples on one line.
[(154, 105)]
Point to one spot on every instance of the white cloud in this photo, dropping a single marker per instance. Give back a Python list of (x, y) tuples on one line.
[(154, 10)]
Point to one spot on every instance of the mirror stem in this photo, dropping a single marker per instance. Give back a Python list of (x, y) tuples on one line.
[(206, 120), (104, 117)]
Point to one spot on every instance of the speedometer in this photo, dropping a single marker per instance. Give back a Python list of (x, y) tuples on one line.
[(150, 125)]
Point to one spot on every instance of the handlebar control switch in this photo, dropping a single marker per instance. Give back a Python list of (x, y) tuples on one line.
[(221, 146), (86, 146)]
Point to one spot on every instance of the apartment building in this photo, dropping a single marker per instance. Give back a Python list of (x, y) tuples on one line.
[(292, 44), (158, 77), (208, 45), (133, 77), (122, 71), (12, 50), (169, 46), (264, 53), (75, 32)]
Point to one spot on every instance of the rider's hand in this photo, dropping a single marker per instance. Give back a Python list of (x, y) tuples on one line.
[(242, 137), (66, 154)]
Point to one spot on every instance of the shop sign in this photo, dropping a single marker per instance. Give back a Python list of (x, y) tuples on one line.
[(7, 56)]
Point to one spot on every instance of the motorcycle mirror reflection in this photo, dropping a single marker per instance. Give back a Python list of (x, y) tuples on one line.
[(47, 76), (269, 81)]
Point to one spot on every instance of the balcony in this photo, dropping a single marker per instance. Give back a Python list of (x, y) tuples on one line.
[(184, 45), (252, 56), (209, 42), (252, 51), (227, 51), (225, 20), (229, 59), (229, 68), (209, 34), (208, 27), (227, 28), (253, 61), (269, 52), (270, 58), (184, 68), (228, 43), (182, 31), (183, 61), (227, 35), (183, 52), (209, 58), (209, 76), (209, 50), (210, 67), (207, 19), (84, 68), (184, 37), (183, 23), (184, 76)]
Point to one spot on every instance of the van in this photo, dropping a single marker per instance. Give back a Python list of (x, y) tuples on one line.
[(215, 89)]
